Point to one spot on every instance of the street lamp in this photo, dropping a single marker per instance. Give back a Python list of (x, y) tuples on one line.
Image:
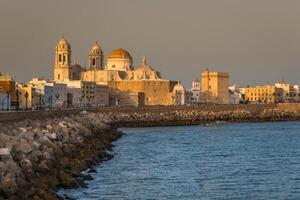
[(17, 103), (26, 98), (8, 101)]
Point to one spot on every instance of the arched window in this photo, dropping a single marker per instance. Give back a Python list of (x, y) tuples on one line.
[(94, 61), (64, 59), (59, 58)]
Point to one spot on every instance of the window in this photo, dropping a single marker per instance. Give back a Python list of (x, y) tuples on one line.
[(59, 58), (64, 59), (58, 76), (94, 61)]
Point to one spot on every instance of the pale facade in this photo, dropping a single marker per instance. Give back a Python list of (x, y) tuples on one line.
[(5, 100), (263, 94), (179, 95), (55, 95), (91, 94), (288, 91), (62, 66), (297, 93), (26, 96), (126, 99), (102, 95), (8, 87), (195, 92), (118, 75), (74, 97), (214, 87), (236, 94)]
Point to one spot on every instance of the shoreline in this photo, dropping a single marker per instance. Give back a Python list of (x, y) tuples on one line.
[(45, 154)]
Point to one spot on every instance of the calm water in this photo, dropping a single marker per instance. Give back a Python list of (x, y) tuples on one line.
[(228, 161)]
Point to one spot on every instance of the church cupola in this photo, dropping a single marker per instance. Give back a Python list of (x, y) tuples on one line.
[(96, 57)]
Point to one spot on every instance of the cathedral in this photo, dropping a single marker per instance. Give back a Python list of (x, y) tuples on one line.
[(128, 85)]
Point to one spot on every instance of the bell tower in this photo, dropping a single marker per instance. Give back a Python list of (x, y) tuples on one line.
[(96, 57), (62, 66)]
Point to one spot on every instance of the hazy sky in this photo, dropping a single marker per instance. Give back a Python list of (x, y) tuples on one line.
[(256, 41)]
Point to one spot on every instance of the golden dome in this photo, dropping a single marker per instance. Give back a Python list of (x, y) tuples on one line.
[(119, 53)]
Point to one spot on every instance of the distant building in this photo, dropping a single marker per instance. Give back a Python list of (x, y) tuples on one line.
[(126, 99), (179, 95), (195, 92), (87, 93), (26, 96), (235, 95), (118, 75), (55, 95), (39, 87), (288, 91), (263, 94), (5, 101), (214, 87), (8, 91), (74, 97), (297, 92)]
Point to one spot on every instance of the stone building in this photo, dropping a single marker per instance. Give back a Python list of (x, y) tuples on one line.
[(91, 94), (134, 86), (214, 87), (26, 96), (8, 91), (263, 94), (289, 94)]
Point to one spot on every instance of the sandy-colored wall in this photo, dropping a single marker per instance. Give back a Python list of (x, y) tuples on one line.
[(155, 92)]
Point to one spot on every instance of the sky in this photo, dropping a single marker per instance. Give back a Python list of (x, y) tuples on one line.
[(255, 41)]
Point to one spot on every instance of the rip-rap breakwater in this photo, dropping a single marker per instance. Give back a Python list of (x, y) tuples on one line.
[(39, 155)]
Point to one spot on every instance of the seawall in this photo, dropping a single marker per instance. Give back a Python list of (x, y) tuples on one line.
[(41, 153)]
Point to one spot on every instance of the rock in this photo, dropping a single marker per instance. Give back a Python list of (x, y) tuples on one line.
[(49, 127), (51, 136), (26, 165), (8, 185), (66, 180), (21, 149), (4, 154)]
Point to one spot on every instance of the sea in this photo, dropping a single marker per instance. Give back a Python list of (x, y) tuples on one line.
[(216, 161)]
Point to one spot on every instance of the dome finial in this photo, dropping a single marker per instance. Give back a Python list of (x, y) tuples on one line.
[(144, 60)]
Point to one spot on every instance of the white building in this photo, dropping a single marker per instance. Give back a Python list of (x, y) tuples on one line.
[(234, 97), (236, 94), (55, 95), (288, 91), (87, 93), (5, 100), (39, 91), (297, 92), (195, 92), (179, 95)]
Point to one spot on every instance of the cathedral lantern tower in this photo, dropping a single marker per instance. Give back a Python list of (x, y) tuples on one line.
[(62, 66), (96, 57)]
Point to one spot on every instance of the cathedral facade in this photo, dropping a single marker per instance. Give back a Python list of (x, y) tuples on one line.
[(129, 85)]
